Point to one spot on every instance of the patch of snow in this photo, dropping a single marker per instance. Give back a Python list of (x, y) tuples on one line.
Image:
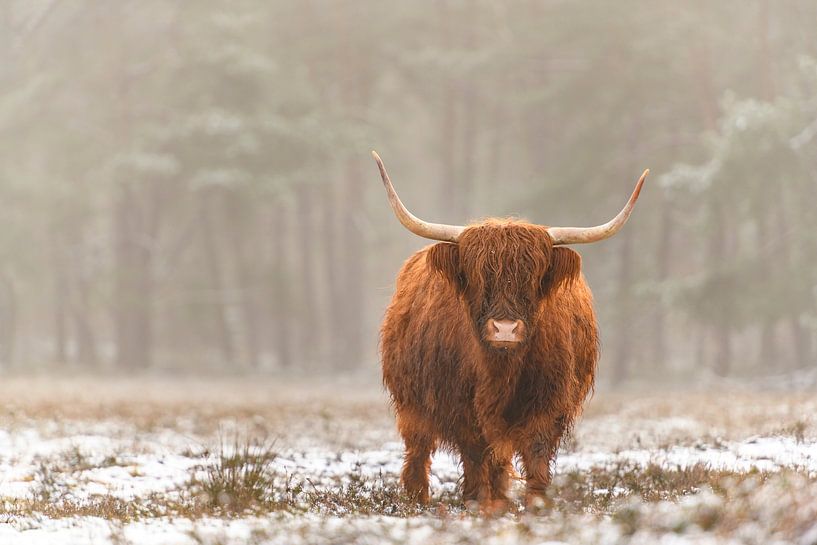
[(116, 458)]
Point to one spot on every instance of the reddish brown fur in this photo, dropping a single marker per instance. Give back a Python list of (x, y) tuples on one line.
[(450, 389)]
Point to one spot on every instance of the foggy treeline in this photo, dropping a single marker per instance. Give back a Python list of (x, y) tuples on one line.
[(187, 185)]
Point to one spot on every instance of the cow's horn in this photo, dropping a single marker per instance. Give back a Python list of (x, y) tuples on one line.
[(434, 231), (583, 235)]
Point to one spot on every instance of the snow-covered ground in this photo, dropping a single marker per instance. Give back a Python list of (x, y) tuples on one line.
[(82, 443)]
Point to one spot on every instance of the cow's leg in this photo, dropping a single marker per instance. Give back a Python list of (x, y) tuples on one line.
[(475, 482), (498, 477), (419, 444), (536, 459), (538, 453)]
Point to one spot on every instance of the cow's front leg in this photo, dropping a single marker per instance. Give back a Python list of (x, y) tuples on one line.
[(475, 485), (538, 447), (498, 478), (537, 456), (485, 478), (490, 403), (498, 474)]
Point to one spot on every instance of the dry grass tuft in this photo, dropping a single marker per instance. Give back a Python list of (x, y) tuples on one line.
[(103, 506), (797, 429), (241, 479), (360, 495), (602, 489)]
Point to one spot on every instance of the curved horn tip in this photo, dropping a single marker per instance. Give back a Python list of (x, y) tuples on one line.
[(640, 183), (433, 231), (583, 235)]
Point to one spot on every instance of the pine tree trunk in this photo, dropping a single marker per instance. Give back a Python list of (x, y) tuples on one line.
[(238, 214), (663, 252), (133, 296), (335, 271), (8, 321), (717, 257), (60, 298), (799, 335), (449, 186), (355, 265), (87, 354), (624, 294), (310, 340), (702, 53), (224, 338), (623, 329), (767, 353), (283, 321)]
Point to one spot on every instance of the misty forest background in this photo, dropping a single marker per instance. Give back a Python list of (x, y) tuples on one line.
[(187, 186)]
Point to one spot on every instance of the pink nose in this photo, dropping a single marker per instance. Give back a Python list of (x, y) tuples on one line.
[(505, 331)]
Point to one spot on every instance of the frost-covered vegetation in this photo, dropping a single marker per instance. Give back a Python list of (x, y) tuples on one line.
[(258, 462)]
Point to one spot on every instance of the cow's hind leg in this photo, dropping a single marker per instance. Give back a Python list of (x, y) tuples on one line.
[(420, 443)]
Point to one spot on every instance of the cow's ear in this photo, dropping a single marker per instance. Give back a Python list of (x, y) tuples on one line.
[(445, 259), (565, 268)]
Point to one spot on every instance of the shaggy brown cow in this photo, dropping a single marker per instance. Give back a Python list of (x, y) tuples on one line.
[(489, 347)]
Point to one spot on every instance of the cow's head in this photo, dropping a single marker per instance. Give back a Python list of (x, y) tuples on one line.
[(504, 268)]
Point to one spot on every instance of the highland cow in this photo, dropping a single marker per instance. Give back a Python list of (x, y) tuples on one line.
[(489, 347)]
